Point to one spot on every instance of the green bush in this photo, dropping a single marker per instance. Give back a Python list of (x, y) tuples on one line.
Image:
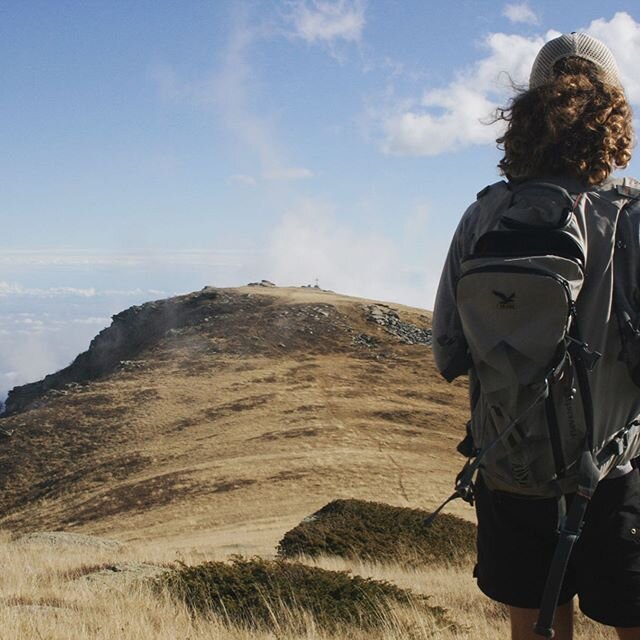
[(258, 593), (379, 532)]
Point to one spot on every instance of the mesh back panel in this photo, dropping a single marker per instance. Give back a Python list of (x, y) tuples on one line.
[(574, 44)]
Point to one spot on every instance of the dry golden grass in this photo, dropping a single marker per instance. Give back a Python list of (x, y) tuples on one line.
[(53, 594)]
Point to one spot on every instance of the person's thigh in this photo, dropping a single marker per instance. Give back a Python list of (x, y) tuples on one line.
[(607, 557), (516, 542)]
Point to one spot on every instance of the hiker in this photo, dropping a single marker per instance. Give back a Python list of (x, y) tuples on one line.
[(564, 137)]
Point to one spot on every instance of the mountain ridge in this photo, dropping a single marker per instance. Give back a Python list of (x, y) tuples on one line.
[(224, 411)]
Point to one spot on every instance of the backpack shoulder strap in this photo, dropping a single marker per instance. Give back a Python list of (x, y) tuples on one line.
[(627, 276)]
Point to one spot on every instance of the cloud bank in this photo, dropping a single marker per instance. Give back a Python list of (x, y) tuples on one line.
[(14, 289), (124, 259)]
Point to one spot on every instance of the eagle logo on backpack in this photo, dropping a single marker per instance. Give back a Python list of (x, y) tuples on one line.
[(505, 301)]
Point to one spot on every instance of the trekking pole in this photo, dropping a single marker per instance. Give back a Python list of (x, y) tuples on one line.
[(569, 534)]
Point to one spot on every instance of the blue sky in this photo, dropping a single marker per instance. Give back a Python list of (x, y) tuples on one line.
[(158, 147)]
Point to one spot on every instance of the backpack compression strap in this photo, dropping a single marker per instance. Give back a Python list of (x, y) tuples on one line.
[(464, 480)]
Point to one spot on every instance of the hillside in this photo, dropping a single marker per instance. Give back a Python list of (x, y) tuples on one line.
[(219, 419)]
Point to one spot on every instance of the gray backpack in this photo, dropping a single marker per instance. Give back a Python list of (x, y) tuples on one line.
[(533, 429), (516, 301)]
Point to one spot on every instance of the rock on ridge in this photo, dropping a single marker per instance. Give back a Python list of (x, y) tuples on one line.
[(389, 319)]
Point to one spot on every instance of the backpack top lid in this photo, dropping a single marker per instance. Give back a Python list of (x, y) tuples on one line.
[(540, 205), (525, 226)]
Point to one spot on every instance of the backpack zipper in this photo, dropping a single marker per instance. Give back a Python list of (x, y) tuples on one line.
[(531, 270)]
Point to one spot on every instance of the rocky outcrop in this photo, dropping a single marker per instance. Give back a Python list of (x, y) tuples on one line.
[(389, 319), (65, 540)]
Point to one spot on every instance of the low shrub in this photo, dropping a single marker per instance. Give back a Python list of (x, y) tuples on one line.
[(381, 533), (271, 594)]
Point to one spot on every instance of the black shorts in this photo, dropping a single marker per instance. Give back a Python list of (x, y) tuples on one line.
[(517, 538)]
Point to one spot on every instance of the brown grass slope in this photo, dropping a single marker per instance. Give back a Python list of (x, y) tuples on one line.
[(219, 419)]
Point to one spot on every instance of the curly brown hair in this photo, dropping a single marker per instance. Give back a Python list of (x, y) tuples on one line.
[(574, 125)]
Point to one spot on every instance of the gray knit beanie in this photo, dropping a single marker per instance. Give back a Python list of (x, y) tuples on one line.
[(574, 44)]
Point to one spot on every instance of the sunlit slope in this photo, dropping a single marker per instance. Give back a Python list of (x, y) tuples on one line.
[(227, 415)]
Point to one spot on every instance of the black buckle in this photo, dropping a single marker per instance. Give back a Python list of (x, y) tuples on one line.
[(580, 350)]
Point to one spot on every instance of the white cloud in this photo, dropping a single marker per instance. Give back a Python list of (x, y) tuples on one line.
[(453, 117), (622, 35), (450, 118), (13, 289), (313, 241), (328, 21), (92, 320), (232, 92), (7, 288), (26, 358), (125, 259), (520, 13), (425, 133)]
